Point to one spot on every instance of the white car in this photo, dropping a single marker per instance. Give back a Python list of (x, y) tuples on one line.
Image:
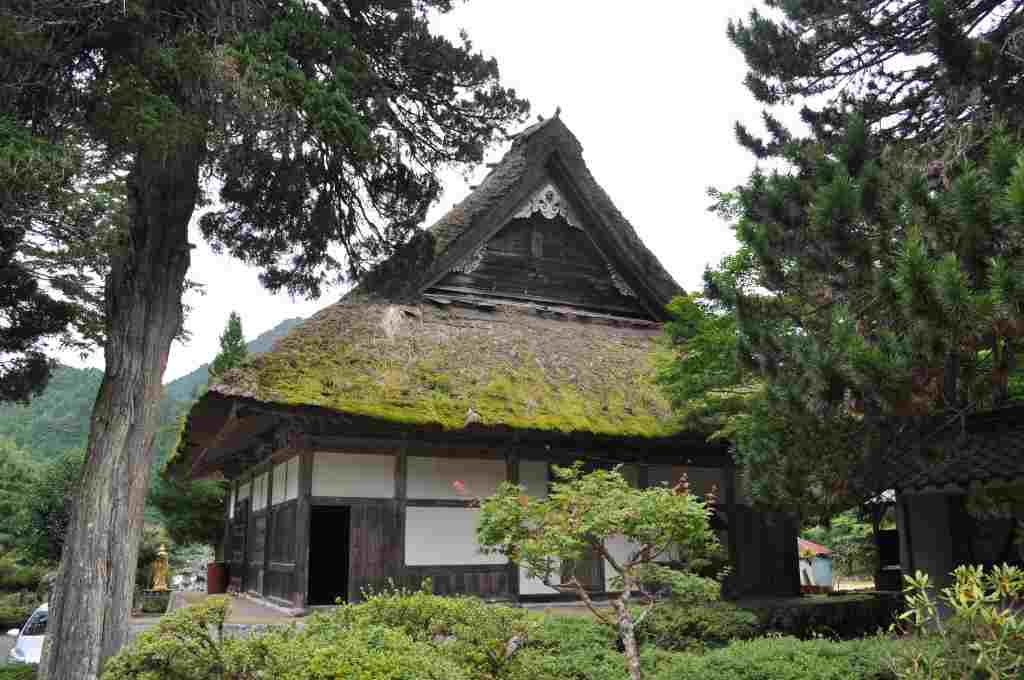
[(29, 644)]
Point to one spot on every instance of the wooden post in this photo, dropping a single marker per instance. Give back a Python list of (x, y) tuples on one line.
[(401, 503), (512, 475), (303, 507), (268, 529)]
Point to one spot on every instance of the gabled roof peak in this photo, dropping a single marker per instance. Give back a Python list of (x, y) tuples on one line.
[(546, 152)]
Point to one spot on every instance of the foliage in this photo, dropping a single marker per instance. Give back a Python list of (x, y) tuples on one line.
[(912, 66), (835, 616), (14, 575), (581, 515), (232, 347), (17, 474), (785, 658), (57, 420), (49, 508), (483, 639), (31, 169), (19, 671), (15, 608), (879, 295), (851, 540), (191, 511), (700, 374), (983, 633), (574, 647), (688, 627), (190, 643)]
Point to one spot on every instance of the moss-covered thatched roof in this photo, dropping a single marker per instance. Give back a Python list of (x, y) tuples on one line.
[(425, 365), (387, 354)]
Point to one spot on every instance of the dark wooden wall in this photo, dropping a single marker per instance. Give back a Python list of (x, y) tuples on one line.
[(547, 261), (376, 553), (765, 561)]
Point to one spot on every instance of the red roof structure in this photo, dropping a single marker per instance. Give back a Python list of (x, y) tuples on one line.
[(804, 546)]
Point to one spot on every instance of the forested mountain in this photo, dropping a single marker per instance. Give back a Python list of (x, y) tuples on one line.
[(58, 419)]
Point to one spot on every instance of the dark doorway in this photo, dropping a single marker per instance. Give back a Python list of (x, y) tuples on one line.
[(328, 554)]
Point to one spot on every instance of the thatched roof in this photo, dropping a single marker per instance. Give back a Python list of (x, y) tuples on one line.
[(388, 353)]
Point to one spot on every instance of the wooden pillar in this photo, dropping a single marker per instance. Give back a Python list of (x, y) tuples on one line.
[(224, 553), (512, 475), (268, 529), (303, 507), (731, 520), (401, 503)]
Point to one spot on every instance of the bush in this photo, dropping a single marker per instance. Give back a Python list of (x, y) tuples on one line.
[(982, 634), (844, 617), (14, 576), (484, 638), (15, 608), (784, 658), (18, 671), (686, 627), (574, 647)]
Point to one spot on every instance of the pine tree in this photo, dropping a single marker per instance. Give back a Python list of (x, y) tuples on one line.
[(916, 68), (880, 295), (232, 348)]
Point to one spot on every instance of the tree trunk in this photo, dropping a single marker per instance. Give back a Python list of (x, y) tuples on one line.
[(92, 597), (627, 633)]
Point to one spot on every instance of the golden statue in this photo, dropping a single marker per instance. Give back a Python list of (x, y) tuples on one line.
[(160, 569)]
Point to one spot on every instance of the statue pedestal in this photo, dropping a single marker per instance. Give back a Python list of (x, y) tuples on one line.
[(155, 601)]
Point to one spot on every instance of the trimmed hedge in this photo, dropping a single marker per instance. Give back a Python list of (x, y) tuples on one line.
[(843, 617), (686, 627), (18, 671), (786, 658)]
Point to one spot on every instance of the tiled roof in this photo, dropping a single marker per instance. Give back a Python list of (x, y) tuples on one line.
[(990, 450)]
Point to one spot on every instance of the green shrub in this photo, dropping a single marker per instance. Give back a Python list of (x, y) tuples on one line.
[(485, 639), (15, 608), (843, 617), (688, 627), (784, 658), (15, 576), (188, 643), (575, 648), (982, 635), (18, 671)]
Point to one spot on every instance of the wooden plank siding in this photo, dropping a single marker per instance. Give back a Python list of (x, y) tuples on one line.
[(547, 261)]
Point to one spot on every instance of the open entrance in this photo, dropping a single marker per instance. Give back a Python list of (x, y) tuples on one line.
[(328, 554)]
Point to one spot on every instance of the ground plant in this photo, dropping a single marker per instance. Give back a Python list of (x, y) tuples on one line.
[(978, 622), (582, 515)]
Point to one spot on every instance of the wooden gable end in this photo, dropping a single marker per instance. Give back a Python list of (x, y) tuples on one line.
[(543, 255)]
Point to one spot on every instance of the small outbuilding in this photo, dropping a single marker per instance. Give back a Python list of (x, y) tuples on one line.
[(960, 496), (520, 331)]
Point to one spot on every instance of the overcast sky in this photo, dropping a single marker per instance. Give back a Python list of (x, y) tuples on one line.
[(650, 88)]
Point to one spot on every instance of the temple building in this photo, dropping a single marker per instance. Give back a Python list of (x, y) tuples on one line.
[(519, 331)]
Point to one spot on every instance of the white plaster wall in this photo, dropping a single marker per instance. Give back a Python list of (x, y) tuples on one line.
[(244, 490), (533, 477), (701, 480), (291, 487), (433, 477), (620, 550), (259, 492), (231, 503), (280, 480), (357, 475), (444, 536)]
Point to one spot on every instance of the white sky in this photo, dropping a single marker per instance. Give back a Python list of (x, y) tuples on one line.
[(651, 90)]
